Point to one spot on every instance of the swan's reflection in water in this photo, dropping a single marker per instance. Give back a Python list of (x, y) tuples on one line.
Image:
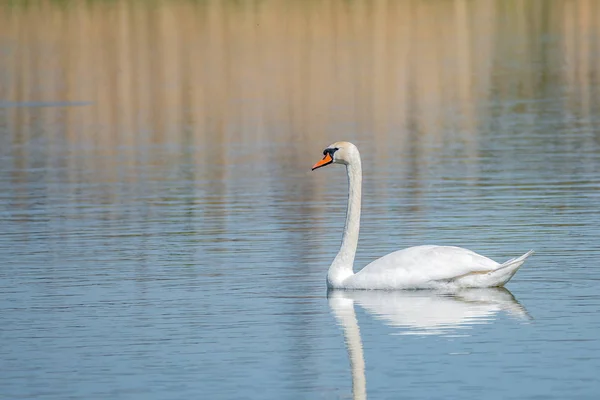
[(416, 312)]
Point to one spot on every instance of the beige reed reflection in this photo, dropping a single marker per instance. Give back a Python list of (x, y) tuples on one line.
[(219, 72)]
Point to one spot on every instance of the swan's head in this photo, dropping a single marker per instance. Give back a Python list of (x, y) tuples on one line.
[(338, 153)]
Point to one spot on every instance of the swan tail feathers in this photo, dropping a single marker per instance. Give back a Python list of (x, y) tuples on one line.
[(515, 262), (507, 270)]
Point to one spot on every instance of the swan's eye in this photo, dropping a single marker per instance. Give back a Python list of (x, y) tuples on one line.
[(330, 151)]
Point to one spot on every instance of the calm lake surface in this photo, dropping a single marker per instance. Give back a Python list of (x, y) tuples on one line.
[(162, 235)]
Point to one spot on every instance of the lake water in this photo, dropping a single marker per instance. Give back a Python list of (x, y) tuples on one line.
[(162, 235)]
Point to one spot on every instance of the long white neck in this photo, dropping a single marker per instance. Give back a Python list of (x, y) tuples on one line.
[(341, 268)]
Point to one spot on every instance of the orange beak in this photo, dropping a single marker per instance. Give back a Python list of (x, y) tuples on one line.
[(325, 161)]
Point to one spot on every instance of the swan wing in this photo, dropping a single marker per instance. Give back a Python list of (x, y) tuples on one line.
[(417, 266)]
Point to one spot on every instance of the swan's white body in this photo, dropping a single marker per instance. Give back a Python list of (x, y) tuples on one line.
[(420, 267), (430, 266)]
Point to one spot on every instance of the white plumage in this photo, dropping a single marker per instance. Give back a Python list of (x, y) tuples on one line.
[(419, 267)]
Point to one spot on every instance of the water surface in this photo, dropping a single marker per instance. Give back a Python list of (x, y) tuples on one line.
[(162, 235)]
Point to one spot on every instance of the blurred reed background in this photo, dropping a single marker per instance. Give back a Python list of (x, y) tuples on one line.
[(211, 74)]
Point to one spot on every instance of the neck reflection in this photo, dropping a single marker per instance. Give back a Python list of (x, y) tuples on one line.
[(417, 313)]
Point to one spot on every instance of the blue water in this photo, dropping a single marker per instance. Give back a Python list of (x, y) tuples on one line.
[(189, 261)]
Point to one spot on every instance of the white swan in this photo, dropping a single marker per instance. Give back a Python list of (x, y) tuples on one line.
[(418, 267)]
